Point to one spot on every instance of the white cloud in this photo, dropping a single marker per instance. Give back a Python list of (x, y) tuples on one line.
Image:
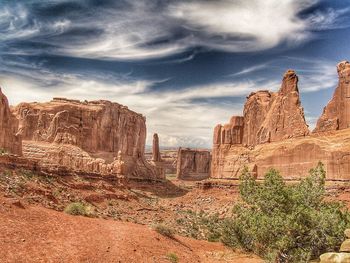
[(145, 29), (173, 114)]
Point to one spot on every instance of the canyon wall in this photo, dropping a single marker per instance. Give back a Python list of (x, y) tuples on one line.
[(193, 164), (10, 141), (90, 136), (272, 133)]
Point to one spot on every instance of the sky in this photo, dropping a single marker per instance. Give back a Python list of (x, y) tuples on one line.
[(186, 65)]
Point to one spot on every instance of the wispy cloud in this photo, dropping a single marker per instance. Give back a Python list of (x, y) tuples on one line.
[(150, 29)]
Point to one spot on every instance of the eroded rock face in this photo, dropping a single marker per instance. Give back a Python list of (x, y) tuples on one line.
[(231, 133), (85, 136), (93, 126), (285, 117), (193, 164), (10, 141), (275, 135), (336, 115), (255, 111), (270, 117)]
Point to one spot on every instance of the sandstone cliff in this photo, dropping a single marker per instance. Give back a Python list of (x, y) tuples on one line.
[(336, 115), (275, 135), (193, 164), (267, 117), (85, 136), (10, 141), (93, 126)]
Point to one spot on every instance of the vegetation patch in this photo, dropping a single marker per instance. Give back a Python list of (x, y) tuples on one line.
[(286, 223), (172, 257), (78, 209), (200, 225), (3, 151), (164, 230)]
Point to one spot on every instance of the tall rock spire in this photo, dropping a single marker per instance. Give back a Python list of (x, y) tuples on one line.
[(336, 115), (155, 149)]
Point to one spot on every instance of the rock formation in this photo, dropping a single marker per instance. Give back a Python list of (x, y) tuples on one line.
[(275, 135), (336, 115), (10, 141), (155, 149), (156, 157), (193, 164), (93, 126), (344, 253), (85, 136)]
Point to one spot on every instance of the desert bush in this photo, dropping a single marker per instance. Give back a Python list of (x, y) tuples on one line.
[(3, 151), (286, 223), (172, 257), (78, 208), (164, 230), (200, 225)]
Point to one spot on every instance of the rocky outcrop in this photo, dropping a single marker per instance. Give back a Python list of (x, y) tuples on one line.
[(271, 117), (343, 256), (85, 136), (275, 135), (10, 141), (193, 164), (336, 115)]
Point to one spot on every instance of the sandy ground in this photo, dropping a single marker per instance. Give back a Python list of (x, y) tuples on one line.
[(31, 233)]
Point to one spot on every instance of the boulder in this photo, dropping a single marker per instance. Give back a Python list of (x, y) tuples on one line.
[(347, 233), (345, 246), (335, 258)]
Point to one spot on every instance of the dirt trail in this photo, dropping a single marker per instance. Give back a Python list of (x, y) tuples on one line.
[(37, 234)]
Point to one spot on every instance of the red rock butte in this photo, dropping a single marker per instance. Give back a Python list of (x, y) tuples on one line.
[(92, 137), (272, 133)]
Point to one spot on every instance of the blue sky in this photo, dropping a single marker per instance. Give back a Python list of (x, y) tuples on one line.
[(186, 65)]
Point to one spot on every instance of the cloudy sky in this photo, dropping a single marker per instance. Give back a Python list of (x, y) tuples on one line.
[(186, 65)]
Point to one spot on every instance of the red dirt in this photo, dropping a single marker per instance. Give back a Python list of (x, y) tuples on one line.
[(36, 234)]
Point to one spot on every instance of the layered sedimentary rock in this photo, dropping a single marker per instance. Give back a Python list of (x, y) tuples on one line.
[(275, 135), (10, 141), (85, 136), (193, 164), (93, 126), (336, 115), (292, 157)]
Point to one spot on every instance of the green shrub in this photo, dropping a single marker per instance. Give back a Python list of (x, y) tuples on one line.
[(200, 225), (286, 223), (164, 230), (78, 208), (3, 151), (172, 257)]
